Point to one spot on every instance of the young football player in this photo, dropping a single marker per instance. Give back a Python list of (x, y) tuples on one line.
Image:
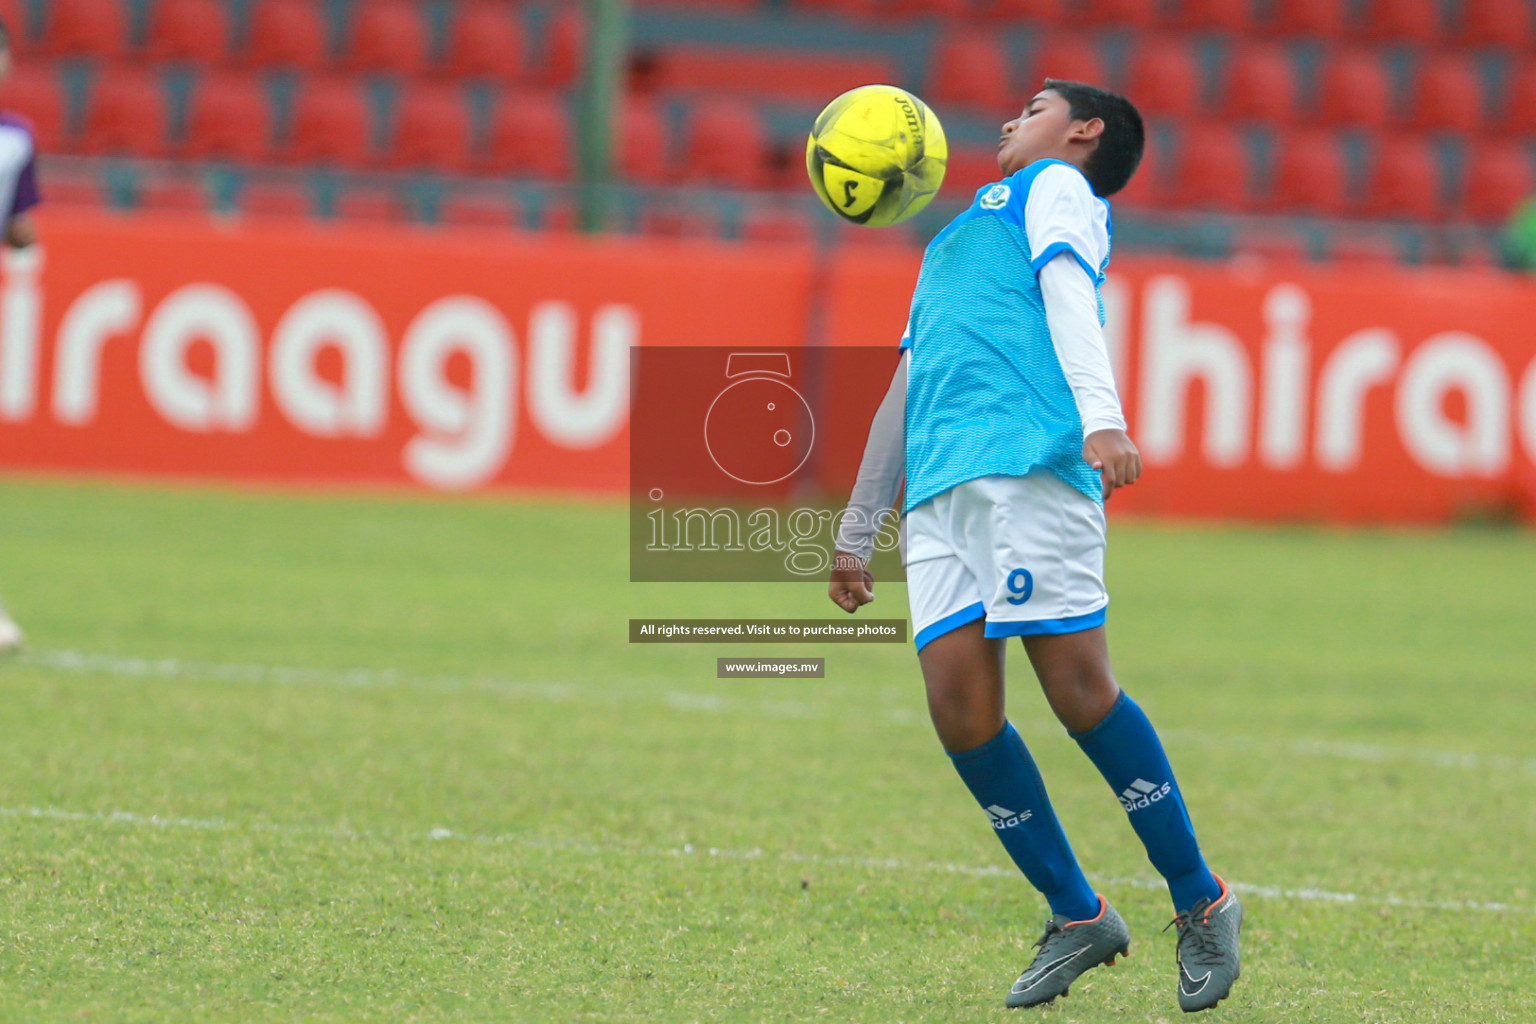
[(1004, 418), (18, 194)]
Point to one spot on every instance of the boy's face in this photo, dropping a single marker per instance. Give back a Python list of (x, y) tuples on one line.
[(1046, 129)]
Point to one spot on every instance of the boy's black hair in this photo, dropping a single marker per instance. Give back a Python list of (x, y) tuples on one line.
[(1114, 160)]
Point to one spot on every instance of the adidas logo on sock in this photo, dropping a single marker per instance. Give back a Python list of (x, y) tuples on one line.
[(1003, 818), (1142, 793)]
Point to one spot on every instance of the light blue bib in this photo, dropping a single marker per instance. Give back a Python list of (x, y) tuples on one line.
[(985, 392)]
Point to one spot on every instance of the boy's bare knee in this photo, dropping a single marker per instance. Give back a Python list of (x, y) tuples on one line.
[(963, 726), (963, 674), (1081, 701), (1074, 672)]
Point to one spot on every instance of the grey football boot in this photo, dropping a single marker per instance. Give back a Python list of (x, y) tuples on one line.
[(1067, 949), (1208, 955)]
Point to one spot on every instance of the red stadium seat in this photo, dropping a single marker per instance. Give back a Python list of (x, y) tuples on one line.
[(1073, 58), (727, 145), (1213, 170), (1402, 21), (1479, 251), (330, 124), (1363, 248), (370, 203), (564, 42), (1519, 114), (287, 34), (1310, 174), (480, 212), (1499, 176), (178, 196), (529, 136), (1509, 23), (188, 30), (276, 199), (775, 225), (1262, 84), (127, 114), (432, 129), (1146, 188), (229, 119), (1470, 249), (1321, 18), (786, 166), (35, 92), (557, 215), (894, 236), (1120, 14), (85, 28), (678, 220), (759, 73), (1280, 243), (1447, 94), (1355, 89), (1404, 180), (76, 190), (741, 5), (970, 69), (970, 168), (642, 151), (1234, 16), (387, 36), (1038, 12), (17, 18), (1164, 78), (485, 40), (643, 70), (862, 9), (944, 10)]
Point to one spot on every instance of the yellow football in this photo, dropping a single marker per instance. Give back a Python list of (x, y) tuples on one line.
[(876, 155)]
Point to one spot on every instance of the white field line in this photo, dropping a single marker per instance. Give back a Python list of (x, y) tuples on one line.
[(551, 844), (127, 667)]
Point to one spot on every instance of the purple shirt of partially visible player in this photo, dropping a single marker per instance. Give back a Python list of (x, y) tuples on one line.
[(18, 166)]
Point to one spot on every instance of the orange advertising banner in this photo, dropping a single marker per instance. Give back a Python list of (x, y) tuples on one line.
[(466, 360), (1301, 393), (381, 355)]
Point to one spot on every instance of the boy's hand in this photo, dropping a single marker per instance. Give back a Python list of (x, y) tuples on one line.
[(21, 231), (852, 585), (1114, 456)]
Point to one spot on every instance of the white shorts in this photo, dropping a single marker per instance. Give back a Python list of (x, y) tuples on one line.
[(1026, 553)]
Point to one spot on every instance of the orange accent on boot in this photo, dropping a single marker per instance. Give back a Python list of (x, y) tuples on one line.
[(1103, 906), (1225, 892)]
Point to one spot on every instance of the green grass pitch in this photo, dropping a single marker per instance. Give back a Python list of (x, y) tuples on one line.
[(320, 758)]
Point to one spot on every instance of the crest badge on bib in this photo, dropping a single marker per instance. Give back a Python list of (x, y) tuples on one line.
[(996, 197)]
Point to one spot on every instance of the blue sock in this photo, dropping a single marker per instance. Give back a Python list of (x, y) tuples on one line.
[(1126, 750), (1004, 780)]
